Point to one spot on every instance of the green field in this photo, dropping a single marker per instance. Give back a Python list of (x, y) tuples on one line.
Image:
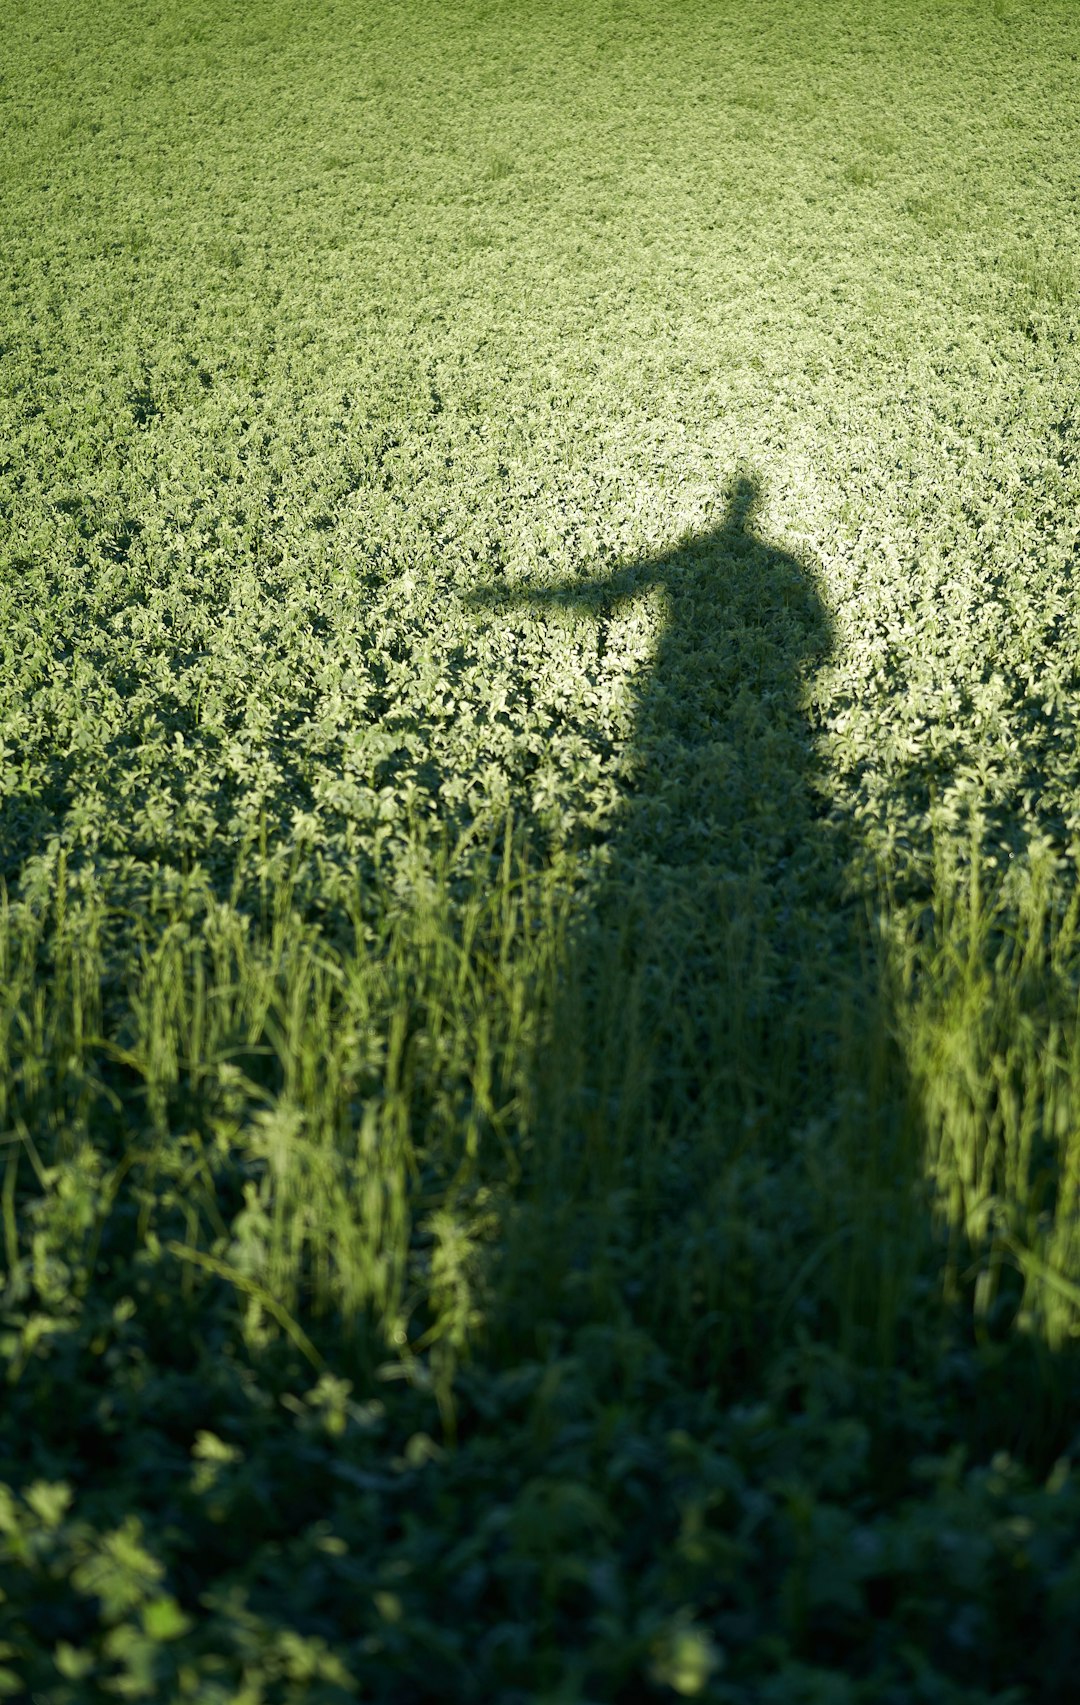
[(539, 850)]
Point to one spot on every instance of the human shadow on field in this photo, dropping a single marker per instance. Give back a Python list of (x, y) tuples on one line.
[(725, 1149), (721, 1221), (713, 1053)]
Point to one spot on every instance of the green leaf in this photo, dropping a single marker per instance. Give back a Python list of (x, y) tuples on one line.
[(71, 1662), (49, 1501), (163, 1619), (685, 1658)]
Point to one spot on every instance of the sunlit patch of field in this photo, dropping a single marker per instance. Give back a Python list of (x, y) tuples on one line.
[(539, 654)]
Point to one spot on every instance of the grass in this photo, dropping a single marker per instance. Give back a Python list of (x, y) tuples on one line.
[(538, 934)]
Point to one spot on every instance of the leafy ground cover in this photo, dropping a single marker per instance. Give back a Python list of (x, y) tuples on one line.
[(539, 1063)]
